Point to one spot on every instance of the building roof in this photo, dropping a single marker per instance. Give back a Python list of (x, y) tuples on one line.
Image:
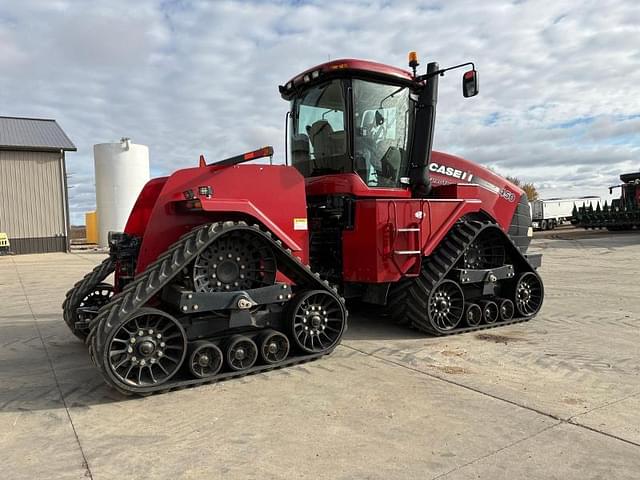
[(18, 133)]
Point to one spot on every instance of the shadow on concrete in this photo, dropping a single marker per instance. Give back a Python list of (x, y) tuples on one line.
[(371, 322), (27, 382)]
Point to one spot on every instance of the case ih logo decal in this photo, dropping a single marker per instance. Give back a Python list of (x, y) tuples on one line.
[(508, 195), (450, 172)]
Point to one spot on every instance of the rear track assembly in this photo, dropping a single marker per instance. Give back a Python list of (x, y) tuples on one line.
[(141, 350)]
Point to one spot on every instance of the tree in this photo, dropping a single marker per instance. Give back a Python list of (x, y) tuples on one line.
[(528, 187)]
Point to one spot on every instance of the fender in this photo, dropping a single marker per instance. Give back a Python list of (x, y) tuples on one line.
[(270, 195)]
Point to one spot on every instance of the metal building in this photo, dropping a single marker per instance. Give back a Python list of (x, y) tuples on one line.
[(34, 207)]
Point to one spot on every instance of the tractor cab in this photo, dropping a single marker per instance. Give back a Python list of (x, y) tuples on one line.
[(357, 119)]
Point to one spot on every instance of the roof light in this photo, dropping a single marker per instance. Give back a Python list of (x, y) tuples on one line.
[(413, 61), (306, 78), (315, 74)]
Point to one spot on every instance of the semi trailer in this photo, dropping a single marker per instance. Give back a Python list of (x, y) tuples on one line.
[(549, 213)]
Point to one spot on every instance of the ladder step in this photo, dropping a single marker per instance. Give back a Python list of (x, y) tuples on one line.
[(407, 252), (408, 230)]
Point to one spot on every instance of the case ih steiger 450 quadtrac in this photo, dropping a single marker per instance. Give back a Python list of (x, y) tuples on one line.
[(228, 268)]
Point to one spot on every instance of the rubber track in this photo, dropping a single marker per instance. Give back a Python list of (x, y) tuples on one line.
[(436, 267), (398, 299), (159, 273), (81, 289)]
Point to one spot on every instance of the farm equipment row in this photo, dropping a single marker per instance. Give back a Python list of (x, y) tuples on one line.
[(622, 214)]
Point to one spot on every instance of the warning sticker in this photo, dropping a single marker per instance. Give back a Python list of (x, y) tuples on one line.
[(299, 223)]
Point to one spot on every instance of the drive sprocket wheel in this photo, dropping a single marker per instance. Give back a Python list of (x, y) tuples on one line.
[(318, 321), (486, 251), (445, 307), (238, 260), (147, 349), (528, 294)]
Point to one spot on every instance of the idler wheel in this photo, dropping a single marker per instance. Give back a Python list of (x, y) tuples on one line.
[(147, 349), (242, 353), (446, 306), (317, 321), (205, 359), (274, 347), (528, 294)]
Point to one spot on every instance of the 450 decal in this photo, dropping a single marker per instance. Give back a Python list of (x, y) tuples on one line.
[(508, 195)]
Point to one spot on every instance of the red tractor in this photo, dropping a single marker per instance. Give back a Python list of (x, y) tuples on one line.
[(230, 268)]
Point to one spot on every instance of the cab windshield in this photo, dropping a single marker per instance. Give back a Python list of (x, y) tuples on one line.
[(381, 116)]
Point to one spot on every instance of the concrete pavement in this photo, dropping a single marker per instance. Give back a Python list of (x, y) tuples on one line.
[(557, 397)]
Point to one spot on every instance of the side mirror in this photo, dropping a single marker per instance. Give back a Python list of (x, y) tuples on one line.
[(470, 83)]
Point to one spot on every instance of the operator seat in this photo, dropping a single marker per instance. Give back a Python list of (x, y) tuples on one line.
[(320, 135), (300, 157)]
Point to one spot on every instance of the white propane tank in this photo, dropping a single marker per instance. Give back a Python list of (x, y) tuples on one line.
[(122, 169)]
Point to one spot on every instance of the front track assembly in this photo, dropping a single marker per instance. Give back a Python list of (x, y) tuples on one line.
[(87, 296), (210, 309), (477, 278)]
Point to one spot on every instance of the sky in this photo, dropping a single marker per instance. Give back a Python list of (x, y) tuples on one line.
[(559, 101)]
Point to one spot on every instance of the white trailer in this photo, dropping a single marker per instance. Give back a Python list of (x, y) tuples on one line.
[(547, 214)]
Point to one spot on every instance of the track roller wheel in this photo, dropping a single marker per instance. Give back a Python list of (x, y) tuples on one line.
[(205, 359), (507, 309), (242, 353), (274, 347), (146, 349), (318, 320), (490, 311), (446, 306), (472, 314), (528, 294)]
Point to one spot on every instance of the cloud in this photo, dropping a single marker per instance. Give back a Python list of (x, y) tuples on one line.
[(557, 104)]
